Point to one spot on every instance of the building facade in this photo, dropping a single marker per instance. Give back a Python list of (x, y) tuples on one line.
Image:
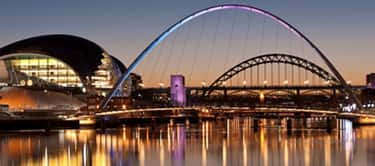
[(370, 80), (55, 62)]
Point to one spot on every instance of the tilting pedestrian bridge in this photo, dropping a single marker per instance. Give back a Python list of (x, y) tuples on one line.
[(206, 113)]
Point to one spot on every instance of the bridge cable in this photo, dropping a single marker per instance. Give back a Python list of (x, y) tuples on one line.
[(313, 79), (198, 47), (306, 76), (261, 45), (262, 37), (251, 76), (277, 39), (271, 74), (277, 50), (291, 35), (292, 80), (169, 54), (156, 62), (299, 76), (211, 51), (258, 77), (278, 73), (265, 73), (185, 43), (246, 41), (230, 42)]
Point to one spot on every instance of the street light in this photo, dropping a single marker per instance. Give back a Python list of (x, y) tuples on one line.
[(261, 97), (286, 82), (306, 82)]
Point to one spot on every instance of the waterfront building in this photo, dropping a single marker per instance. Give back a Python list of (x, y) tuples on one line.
[(178, 92), (52, 63), (370, 80)]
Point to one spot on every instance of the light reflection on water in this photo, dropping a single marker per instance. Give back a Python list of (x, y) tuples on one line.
[(227, 142)]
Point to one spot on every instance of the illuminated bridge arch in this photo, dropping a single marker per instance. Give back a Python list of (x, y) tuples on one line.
[(248, 8), (273, 58)]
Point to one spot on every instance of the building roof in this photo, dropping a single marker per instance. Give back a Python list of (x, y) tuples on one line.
[(82, 55)]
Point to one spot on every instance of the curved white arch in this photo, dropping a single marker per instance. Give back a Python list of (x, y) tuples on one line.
[(198, 13)]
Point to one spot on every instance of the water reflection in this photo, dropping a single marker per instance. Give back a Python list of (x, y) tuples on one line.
[(226, 142)]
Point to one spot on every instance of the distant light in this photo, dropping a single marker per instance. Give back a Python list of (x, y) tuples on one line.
[(327, 82), (123, 106), (286, 82), (29, 82), (350, 108), (224, 83), (161, 84), (306, 82), (265, 82), (354, 106), (244, 82), (261, 96), (203, 83), (103, 93), (23, 82), (84, 90), (349, 82), (141, 84)]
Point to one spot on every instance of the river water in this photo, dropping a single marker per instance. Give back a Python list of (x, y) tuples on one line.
[(221, 142)]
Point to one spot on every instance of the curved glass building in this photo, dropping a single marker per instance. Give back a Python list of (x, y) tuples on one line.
[(62, 62)]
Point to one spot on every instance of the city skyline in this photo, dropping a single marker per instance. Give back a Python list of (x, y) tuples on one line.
[(343, 31), (198, 82)]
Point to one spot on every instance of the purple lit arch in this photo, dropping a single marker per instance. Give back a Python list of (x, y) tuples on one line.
[(194, 15)]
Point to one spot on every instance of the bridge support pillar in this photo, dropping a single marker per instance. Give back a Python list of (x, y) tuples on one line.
[(171, 122), (331, 123), (188, 96), (297, 97), (256, 123), (333, 98), (187, 122), (289, 124)]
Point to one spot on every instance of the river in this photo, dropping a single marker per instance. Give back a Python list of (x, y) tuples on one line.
[(222, 142)]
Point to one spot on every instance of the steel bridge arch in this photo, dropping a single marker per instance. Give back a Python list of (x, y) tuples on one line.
[(198, 13), (250, 92), (271, 58), (289, 92)]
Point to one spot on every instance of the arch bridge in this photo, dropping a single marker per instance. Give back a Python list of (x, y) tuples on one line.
[(271, 59), (347, 89)]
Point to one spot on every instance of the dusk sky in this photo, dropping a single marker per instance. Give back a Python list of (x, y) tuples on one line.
[(344, 30)]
